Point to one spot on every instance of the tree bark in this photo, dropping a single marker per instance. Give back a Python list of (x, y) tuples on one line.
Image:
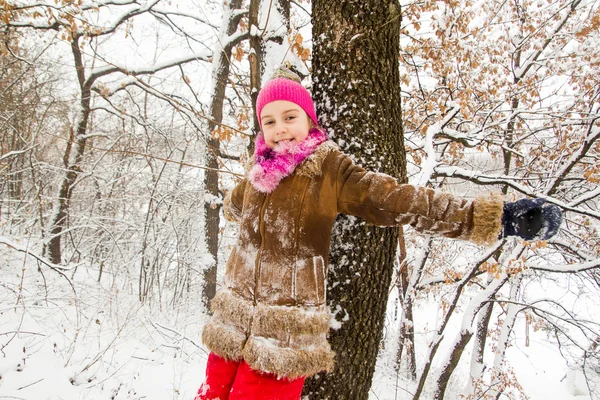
[(256, 60), (356, 87), (407, 332), (71, 161), (211, 176), (258, 46), (477, 365)]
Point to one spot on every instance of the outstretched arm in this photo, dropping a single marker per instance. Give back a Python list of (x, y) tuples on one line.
[(381, 200)]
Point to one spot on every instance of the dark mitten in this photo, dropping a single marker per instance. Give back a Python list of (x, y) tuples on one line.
[(531, 219)]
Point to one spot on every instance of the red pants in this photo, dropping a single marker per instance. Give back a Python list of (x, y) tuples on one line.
[(235, 380)]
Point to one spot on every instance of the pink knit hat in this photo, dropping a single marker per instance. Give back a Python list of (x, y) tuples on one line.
[(285, 85)]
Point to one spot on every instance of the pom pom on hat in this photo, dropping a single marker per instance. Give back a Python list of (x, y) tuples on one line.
[(285, 85), (283, 72)]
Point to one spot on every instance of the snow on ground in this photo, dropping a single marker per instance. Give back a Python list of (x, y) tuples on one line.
[(100, 343), (538, 366), (97, 344)]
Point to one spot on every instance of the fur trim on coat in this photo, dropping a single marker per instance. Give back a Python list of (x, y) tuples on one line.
[(288, 341), (264, 355), (487, 219), (312, 166)]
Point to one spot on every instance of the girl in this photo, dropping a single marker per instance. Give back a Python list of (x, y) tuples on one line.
[(270, 320)]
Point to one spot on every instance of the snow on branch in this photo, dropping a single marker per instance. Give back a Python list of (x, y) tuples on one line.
[(570, 247), (589, 328), (469, 139), (148, 70), (483, 179), (591, 137), (478, 301), (107, 91), (428, 166), (232, 40), (235, 15), (86, 6), (54, 23), (585, 197), (127, 15), (110, 3), (15, 153), (184, 15), (532, 59), (566, 268)]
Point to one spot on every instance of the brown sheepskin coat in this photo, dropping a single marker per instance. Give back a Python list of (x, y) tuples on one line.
[(271, 310)]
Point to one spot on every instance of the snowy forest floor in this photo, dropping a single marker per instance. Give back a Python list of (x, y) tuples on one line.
[(73, 339)]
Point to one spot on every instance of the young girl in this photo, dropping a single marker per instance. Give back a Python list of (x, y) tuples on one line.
[(270, 319)]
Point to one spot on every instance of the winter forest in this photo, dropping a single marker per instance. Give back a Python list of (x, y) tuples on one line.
[(124, 122)]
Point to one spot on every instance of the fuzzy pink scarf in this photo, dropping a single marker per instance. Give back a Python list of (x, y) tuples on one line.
[(272, 165)]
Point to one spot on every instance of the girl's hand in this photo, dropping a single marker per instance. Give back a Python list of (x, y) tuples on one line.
[(531, 219)]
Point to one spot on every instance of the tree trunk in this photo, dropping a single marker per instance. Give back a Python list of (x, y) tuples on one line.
[(460, 343), (356, 87), (477, 365), (256, 61), (512, 312), (71, 161), (407, 331), (211, 176), (258, 47)]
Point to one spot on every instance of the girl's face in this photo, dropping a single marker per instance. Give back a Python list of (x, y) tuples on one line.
[(282, 121)]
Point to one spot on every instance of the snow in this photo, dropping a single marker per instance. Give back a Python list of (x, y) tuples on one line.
[(430, 162), (64, 335), (97, 343), (101, 343)]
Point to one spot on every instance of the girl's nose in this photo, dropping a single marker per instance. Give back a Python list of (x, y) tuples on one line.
[(281, 129)]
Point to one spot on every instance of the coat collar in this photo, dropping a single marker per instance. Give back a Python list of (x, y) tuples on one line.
[(311, 166)]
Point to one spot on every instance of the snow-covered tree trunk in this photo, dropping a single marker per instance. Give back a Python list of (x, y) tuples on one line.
[(220, 74), (512, 312), (465, 333), (269, 24), (477, 366), (436, 340), (72, 158), (407, 329), (356, 86)]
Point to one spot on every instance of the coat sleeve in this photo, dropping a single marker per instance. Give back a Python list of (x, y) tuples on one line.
[(381, 200), (233, 203)]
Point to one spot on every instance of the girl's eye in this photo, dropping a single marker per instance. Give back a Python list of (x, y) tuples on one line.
[(268, 123), (291, 117)]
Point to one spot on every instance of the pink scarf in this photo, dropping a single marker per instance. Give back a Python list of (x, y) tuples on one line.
[(272, 165)]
